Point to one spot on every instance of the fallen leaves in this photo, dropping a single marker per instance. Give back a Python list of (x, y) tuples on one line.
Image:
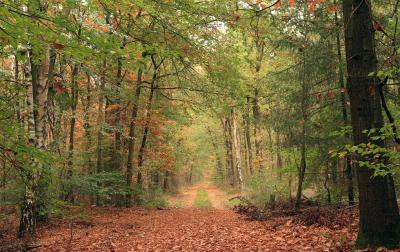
[(115, 229)]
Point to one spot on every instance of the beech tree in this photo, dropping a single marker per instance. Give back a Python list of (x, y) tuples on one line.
[(379, 214)]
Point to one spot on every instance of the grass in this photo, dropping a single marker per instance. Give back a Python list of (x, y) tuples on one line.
[(202, 201)]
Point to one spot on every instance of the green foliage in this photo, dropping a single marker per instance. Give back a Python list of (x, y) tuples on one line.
[(154, 199), (383, 160), (259, 187)]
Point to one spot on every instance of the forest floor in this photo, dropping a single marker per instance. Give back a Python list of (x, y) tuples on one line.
[(186, 228)]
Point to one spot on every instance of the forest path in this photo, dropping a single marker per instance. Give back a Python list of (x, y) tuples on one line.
[(215, 195), (186, 229)]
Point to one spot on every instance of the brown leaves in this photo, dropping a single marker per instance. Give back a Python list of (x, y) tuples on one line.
[(371, 91), (59, 87), (187, 230), (331, 94), (58, 46)]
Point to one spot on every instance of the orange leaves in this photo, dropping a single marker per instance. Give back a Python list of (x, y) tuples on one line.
[(291, 3), (332, 8), (259, 1), (312, 8), (277, 4)]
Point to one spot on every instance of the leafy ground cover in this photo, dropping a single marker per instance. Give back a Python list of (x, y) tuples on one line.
[(191, 229)]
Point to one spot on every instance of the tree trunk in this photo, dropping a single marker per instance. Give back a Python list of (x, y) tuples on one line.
[(88, 134), (131, 144), (145, 134), (229, 149), (73, 105), (236, 143), (379, 215), (248, 141), (37, 127), (100, 120), (302, 172), (257, 129)]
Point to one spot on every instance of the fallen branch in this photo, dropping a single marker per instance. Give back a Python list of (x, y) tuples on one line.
[(33, 247)]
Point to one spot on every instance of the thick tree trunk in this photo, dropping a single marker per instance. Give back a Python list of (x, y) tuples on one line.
[(379, 214), (131, 144), (236, 143), (37, 127)]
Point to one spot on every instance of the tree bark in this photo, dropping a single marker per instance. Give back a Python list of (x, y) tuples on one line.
[(302, 172), (73, 104), (257, 129), (379, 215), (37, 127), (248, 141), (236, 143), (229, 149), (145, 133), (100, 120)]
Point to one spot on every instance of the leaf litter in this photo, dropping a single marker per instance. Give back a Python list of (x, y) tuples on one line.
[(190, 229)]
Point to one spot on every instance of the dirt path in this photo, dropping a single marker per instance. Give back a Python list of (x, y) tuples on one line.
[(216, 195), (184, 229)]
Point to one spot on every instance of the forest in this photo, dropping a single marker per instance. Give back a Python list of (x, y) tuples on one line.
[(285, 110)]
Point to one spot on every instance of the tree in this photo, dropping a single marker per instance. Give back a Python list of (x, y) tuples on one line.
[(379, 214)]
